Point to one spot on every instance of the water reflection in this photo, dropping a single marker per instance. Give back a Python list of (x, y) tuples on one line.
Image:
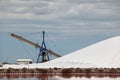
[(59, 76)]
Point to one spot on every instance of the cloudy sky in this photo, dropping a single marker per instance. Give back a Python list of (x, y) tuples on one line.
[(70, 24)]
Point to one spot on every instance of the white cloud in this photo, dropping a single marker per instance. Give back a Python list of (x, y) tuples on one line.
[(83, 17)]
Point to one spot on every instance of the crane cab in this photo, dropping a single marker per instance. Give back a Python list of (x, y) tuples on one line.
[(44, 54)]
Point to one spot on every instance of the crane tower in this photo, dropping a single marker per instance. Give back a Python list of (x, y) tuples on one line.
[(43, 52)]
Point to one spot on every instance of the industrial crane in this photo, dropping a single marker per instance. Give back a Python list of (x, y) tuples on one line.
[(44, 52)]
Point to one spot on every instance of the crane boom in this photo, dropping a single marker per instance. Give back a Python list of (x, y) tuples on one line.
[(33, 44)]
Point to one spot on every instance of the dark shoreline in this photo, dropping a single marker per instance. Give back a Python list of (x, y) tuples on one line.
[(43, 73), (108, 71), (67, 75)]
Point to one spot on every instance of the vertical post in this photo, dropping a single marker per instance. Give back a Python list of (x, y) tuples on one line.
[(43, 43), (43, 35)]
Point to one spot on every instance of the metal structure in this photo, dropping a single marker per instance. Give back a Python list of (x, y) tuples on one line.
[(44, 52)]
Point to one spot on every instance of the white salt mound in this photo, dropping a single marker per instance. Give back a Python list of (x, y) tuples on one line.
[(105, 54)]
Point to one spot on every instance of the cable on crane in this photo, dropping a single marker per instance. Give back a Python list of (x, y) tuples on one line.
[(54, 44), (29, 54)]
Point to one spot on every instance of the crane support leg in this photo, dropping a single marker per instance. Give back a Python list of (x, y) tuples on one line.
[(43, 51)]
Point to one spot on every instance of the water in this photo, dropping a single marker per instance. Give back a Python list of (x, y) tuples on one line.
[(58, 77)]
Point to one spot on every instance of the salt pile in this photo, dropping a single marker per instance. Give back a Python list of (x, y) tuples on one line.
[(104, 54)]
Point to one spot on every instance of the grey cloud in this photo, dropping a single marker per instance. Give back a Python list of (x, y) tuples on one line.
[(65, 16)]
